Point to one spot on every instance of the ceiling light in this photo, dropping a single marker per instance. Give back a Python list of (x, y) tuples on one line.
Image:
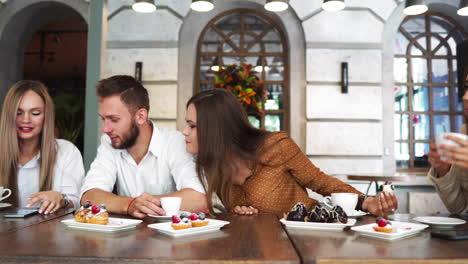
[(202, 5), (144, 6), (215, 67), (463, 9), (259, 67), (415, 7), (333, 5), (276, 5)]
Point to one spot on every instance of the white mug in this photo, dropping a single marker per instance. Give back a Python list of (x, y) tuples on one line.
[(347, 201), (440, 139), (2, 191), (171, 205)]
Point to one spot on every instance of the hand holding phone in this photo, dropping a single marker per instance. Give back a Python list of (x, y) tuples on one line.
[(23, 212)]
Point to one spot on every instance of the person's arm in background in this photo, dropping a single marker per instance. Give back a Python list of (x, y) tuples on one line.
[(308, 175)]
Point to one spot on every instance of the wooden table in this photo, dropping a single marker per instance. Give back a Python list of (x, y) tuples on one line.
[(246, 239), (348, 247), (13, 224)]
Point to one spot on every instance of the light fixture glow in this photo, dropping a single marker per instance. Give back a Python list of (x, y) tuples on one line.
[(333, 5), (415, 7), (202, 5), (144, 6), (463, 9), (276, 5), (259, 67), (215, 66)]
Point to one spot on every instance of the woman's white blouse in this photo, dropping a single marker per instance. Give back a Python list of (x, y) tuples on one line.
[(68, 174)]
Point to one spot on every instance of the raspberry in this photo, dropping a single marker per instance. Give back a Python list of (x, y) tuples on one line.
[(175, 219), (193, 217), (382, 222), (95, 209)]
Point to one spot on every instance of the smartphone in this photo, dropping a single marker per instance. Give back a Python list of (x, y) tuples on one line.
[(451, 234), (23, 212)]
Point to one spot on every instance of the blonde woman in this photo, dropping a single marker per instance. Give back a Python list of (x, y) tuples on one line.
[(39, 169)]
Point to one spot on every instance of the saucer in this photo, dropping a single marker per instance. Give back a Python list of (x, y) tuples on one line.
[(439, 221), (4, 205), (357, 213)]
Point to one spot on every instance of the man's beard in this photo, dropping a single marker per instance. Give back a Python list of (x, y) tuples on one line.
[(129, 139)]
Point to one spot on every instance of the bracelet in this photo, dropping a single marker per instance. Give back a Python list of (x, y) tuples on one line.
[(129, 204), (361, 199), (66, 201)]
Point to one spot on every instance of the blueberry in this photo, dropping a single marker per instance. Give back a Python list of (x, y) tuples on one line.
[(201, 216), (185, 220), (102, 206), (86, 205)]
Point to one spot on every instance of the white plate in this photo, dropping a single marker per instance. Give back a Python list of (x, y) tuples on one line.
[(357, 213), (163, 218), (318, 226), (402, 229), (439, 221), (166, 228), (3, 205), (114, 225)]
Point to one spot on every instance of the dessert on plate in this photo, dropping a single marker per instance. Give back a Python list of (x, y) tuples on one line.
[(383, 226), (185, 221), (319, 214), (92, 214)]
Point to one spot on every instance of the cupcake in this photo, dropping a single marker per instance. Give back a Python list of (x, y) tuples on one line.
[(98, 215), (179, 224), (383, 226), (198, 220)]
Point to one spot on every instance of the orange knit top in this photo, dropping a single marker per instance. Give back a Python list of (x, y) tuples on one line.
[(280, 178)]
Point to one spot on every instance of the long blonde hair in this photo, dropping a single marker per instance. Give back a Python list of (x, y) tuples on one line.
[(9, 142)]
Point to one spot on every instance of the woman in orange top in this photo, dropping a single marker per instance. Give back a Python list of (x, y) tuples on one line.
[(247, 170)]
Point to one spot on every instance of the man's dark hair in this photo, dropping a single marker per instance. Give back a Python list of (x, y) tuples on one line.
[(131, 92)]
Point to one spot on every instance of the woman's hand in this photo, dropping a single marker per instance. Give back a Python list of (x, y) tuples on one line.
[(50, 201), (456, 155), (385, 203), (437, 164), (245, 210)]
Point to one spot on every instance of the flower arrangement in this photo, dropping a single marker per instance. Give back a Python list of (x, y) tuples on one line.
[(244, 84)]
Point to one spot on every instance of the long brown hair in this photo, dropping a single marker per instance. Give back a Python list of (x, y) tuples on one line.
[(9, 142), (225, 135)]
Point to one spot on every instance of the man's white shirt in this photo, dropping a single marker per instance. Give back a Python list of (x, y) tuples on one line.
[(166, 168)]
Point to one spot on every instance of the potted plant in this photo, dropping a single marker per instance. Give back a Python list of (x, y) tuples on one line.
[(244, 84)]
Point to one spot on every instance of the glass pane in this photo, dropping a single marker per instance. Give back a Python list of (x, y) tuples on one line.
[(453, 46), (276, 68), (211, 41), (441, 124), (401, 44), (248, 40), (421, 126), (402, 155), (440, 26), (401, 98), (254, 121), (401, 126), (420, 155), (434, 42), (274, 100), (205, 86), (415, 26), (254, 23), (419, 70), (273, 46), (272, 36), (420, 98), (400, 70), (440, 71), (256, 48), (458, 103), (206, 65), (455, 69), (441, 99), (459, 119), (230, 60), (273, 122), (227, 48), (229, 23), (235, 39), (415, 51), (422, 43), (443, 51)]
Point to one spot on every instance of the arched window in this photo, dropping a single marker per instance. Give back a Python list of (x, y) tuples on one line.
[(426, 93), (246, 36)]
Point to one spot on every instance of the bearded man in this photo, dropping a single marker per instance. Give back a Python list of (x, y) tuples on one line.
[(137, 159)]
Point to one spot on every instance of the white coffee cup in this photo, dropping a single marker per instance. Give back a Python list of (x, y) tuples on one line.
[(171, 205), (2, 191), (347, 201), (440, 139)]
